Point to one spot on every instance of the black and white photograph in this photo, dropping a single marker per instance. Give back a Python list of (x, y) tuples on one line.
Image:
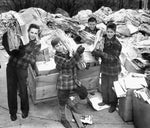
[(75, 63)]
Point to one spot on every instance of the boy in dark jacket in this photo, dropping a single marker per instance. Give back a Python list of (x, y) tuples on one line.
[(67, 79), (17, 72), (110, 65)]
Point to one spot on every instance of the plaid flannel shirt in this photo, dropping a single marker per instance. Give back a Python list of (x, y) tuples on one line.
[(67, 79), (111, 64), (23, 62)]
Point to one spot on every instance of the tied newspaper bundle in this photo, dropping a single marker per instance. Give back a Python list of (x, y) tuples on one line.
[(67, 41)]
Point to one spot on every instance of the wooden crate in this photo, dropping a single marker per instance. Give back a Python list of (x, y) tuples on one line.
[(90, 77), (43, 88)]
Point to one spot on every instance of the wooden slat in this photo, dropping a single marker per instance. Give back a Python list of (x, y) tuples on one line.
[(47, 79), (47, 91), (91, 82), (77, 119), (70, 118)]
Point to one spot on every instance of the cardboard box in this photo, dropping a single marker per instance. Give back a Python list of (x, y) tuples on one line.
[(125, 106), (141, 113), (43, 87)]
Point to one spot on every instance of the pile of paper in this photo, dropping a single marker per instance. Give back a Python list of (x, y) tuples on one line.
[(95, 100), (131, 81), (143, 94), (44, 67)]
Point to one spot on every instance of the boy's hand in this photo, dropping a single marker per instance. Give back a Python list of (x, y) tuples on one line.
[(37, 49), (77, 56), (17, 53), (80, 50), (96, 53)]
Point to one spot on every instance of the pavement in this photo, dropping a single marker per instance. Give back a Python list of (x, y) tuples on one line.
[(45, 114)]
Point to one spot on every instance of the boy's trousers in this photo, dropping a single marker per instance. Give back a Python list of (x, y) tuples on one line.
[(17, 80), (63, 95), (108, 94)]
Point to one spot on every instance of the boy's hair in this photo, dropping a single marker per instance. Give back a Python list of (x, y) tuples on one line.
[(33, 26), (55, 41), (111, 25), (92, 19)]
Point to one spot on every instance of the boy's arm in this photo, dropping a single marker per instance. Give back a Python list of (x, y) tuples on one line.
[(62, 62), (110, 57)]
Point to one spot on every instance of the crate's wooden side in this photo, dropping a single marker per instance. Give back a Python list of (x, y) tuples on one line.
[(50, 79), (90, 77), (90, 83), (91, 72), (46, 91)]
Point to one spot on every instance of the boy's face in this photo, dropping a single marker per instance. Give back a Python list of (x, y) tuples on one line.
[(60, 48), (33, 34), (92, 25), (110, 33)]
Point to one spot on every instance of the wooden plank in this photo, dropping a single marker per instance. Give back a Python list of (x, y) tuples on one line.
[(51, 78), (70, 118), (77, 119), (47, 91), (47, 79)]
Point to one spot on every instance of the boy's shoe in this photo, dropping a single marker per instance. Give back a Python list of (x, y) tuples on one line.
[(101, 104), (65, 123), (112, 109), (24, 115), (13, 117)]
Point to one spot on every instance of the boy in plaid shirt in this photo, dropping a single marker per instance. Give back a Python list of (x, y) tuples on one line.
[(67, 79), (110, 65)]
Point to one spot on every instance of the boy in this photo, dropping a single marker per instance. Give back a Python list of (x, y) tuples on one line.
[(67, 79), (110, 65), (16, 71), (91, 28)]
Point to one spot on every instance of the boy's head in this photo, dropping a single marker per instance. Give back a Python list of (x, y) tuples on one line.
[(111, 30), (57, 45), (33, 32), (92, 23)]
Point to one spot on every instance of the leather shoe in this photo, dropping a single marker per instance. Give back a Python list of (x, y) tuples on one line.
[(65, 123), (24, 115), (112, 109), (13, 117)]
